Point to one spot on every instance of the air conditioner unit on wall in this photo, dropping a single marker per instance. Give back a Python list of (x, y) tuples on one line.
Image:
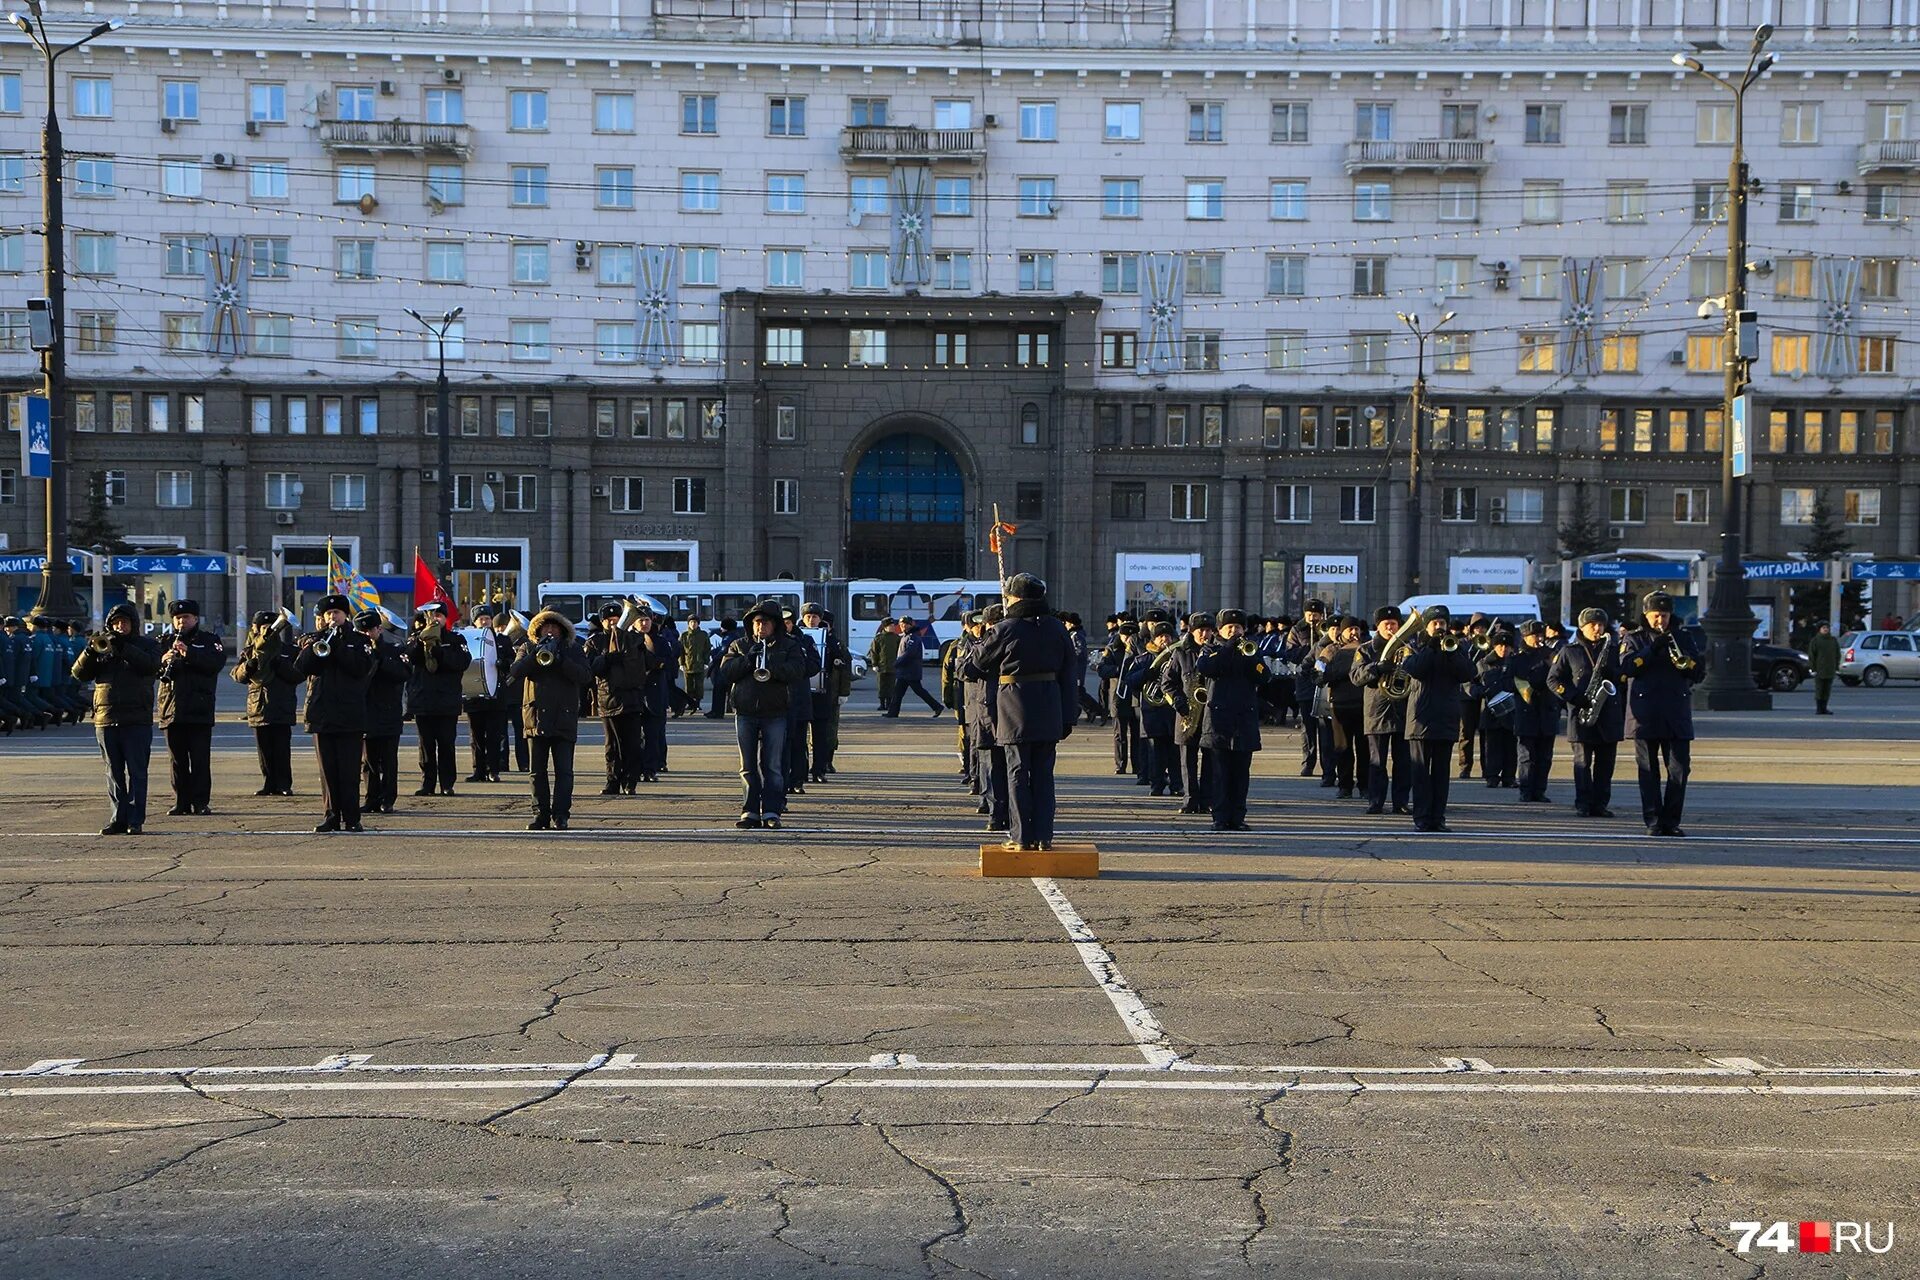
[(253, 128), (431, 475), (388, 88), (599, 491), (224, 159), (168, 124), (283, 517), (450, 75), (1617, 532)]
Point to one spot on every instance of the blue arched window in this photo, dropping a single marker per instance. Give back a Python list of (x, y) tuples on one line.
[(908, 479)]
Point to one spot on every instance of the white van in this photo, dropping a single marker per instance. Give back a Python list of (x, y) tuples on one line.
[(1512, 609)]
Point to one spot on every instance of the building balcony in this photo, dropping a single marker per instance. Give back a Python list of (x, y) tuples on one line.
[(906, 142), (1902, 156), (1426, 155), (394, 137)]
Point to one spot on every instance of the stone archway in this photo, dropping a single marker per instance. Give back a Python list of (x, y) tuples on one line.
[(906, 514)]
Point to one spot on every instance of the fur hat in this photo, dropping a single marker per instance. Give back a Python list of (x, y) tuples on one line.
[(1594, 615), (1388, 613), (264, 618), (1436, 613), (1237, 617), (1314, 605), (1199, 622), (994, 614), (327, 603), (1656, 602), (178, 607), (366, 619), (1533, 627), (1024, 586), (545, 616)]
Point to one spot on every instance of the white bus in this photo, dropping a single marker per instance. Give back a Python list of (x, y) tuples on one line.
[(940, 603)]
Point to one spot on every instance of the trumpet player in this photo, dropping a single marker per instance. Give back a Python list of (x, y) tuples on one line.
[(1230, 730), (1580, 676), (1140, 680), (439, 661), (122, 664), (1304, 642), (190, 662), (552, 670), (1384, 713), (1437, 667), (622, 660), (386, 712), (272, 692), (760, 670), (1537, 718), (335, 663), (1661, 664)]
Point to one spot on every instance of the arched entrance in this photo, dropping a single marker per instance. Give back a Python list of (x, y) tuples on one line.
[(908, 511)]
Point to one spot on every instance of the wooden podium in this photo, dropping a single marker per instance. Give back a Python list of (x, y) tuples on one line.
[(1065, 861)]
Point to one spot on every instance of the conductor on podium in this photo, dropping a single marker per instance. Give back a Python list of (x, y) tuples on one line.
[(1030, 659)]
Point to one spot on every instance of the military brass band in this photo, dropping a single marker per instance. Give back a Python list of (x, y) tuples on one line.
[(1384, 711)]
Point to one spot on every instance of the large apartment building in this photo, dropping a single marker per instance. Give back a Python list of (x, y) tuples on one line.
[(756, 288)]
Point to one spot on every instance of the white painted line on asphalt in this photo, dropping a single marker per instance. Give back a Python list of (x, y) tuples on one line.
[(1145, 1029)]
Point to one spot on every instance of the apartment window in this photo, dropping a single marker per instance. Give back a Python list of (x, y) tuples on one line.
[(1367, 352), (1206, 121), (1033, 349), (613, 342), (785, 344), (1029, 500), (1883, 202), (1201, 350), (1800, 124), (613, 113), (1287, 275), (1286, 352), (1287, 123), (96, 332), (1886, 121), (1372, 201), (1796, 201), (1620, 353), (1370, 277), (1526, 505), (353, 102), (1544, 122), (1034, 272), (1206, 199), (446, 184), (529, 185), (463, 492), (181, 331), (699, 191), (1039, 122), (93, 178), (1792, 352), (1453, 277), (1689, 506), (1627, 201), (1623, 277), (352, 183), (862, 112), (786, 497), (786, 193), (1127, 500), (1778, 422), (357, 337), (867, 197), (953, 197), (272, 334), (1122, 122), (786, 117), (1459, 202), (1679, 430), (615, 265), (1206, 273), (159, 413), (700, 113), (950, 348), (786, 421), (1030, 423), (1876, 353), (282, 491), (347, 492), (1188, 502), (446, 106), (786, 268), (1880, 279), (9, 478), (613, 187), (331, 410), (1373, 121), (1120, 273), (94, 254), (1037, 198), (1796, 506), (1861, 507), (93, 97), (1713, 124), (1539, 201), (1536, 352), (521, 492), (953, 270), (1118, 349), (1706, 352), (1793, 279), (1176, 436), (1813, 431), (506, 419), (184, 256), (626, 493), (1453, 352), (455, 342), (867, 347), (1120, 198), (1356, 504), (1287, 200), (1539, 279), (267, 180), (1459, 504), (181, 179), (1309, 426), (353, 259), (689, 496), (1292, 503), (540, 416), (267, 103), (527, 110), (529, 340), (1627, 124)]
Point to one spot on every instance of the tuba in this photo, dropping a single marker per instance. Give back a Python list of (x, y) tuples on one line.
[(1398, 684), (630, 613), (516, 629)]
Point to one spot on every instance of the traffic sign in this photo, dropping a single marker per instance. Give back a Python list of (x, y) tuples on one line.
[(1740, 456), (36, 446), (170, 564), (1886, 570), (1794, 570)]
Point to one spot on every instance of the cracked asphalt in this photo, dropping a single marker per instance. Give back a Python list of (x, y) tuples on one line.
[(655, 1046)]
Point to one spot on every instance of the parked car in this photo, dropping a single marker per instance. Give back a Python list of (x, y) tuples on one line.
[(1874, 657), (1775, 666)]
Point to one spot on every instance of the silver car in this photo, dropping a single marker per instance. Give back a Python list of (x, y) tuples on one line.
[(1874, 657)]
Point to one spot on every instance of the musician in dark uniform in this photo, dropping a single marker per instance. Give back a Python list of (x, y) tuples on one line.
[(1178, 680), (1492, 690), (1230, 729), (1437, 667), (190, 661), (386, 713), (953, 694), (1661, 665), (1597, 719), (1030, 659), (1141, 677), (551, 673), (1304, 643), (834, 682), (1537, 719), (439, 660), (1120, 705), (122, 664), (758, 670), (977, 697), (336, 664), (622, 661), (1384, 713), (1473, 725), (271, 699)]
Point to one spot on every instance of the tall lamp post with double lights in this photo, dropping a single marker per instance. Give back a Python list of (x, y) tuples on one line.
[(1417, 409), (1729, 621), (438, 331), (48, 314)]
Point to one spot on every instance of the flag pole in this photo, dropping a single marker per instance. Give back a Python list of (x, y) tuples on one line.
[(999, 548)]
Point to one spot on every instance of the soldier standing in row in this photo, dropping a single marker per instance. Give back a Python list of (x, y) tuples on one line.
[(386, 712), (439, 659), (1579, 676), (1030, 659), (190, 664), (122, 664), (336, 664), (272, 695)]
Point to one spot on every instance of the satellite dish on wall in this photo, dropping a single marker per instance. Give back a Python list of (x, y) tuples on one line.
[(486, 498)]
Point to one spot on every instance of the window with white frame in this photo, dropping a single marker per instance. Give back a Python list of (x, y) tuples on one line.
[(1526, 505), (1120, 273), (786, 268), (1206, 122), (1356, 504), (357, 337), (867, 269), (786, 497), (527, 110), (786, 193), (1206, 199), (1122, 122), (1286, 351), (867, 347), (613, 341), (1539, 200), (173, 489), (1372, 201), (1036, 197), (1459, 504), (699, 342), (1689, 505), (530, 340), (520, 492), (786, 344), (1861, 507), (953, 197), (699, 191), (1292, 503), (786, 116), (689, 496), (1288, 123), (348, 492), (626, 493), (1627, 504), (113, 488), (1286, 275), (615, 265), (1034, 272), (1188, 502), (1539, 279), (1120, 197), (1800, 124), (1627, 124), (953, 269), (1039, 122), (282, 491)]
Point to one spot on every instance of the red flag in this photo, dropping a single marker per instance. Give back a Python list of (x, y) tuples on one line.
[(993, 534), (427, 590)]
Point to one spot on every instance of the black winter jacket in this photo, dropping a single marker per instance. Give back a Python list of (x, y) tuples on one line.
[(123, 680), (1031, 660), (387, 691), (272, 697), (188, 684), (550, 695), (1232, 722), (1659, 694), (337, 683), (437, 693), (1569, 678), (1382, 714), (762, 699), (1433, 707), (623, 674)]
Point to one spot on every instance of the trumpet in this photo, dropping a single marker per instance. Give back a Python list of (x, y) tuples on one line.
[(103, 641), (323, 646), (760, 672), (546, 654), (1677, 653), (1249, 649), (1449, 642)]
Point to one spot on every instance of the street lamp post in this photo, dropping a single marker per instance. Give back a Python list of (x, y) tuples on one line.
[(439, 334), (1729, 621), (1417, 408), (56, 573)]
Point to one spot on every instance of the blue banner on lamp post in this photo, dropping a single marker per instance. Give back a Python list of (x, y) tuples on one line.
[(36, 445)]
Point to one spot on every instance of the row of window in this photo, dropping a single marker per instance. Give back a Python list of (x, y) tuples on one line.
[(514, 492)]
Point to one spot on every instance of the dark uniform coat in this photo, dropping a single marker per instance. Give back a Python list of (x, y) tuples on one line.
[(623, 676), (1232, 719), (1381, 713), (1178, 680), (1140, 682), (336, 684), (188, 685), (122, 680), (272, 697), (437, 692), (1030, 657), (550, 694), (1571, 675), (1538, 715), (787, 662), (387, 690), (1433, 707), (1659, 695)]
